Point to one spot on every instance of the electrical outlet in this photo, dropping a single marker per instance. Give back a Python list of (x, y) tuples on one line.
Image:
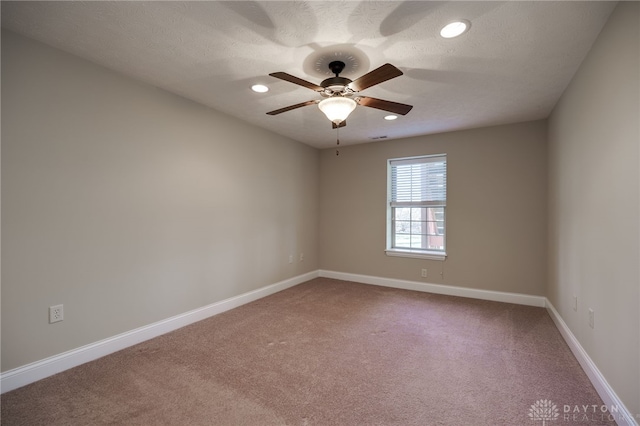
[(575, 303), (423, 273), (301, 257), (290, 258), (591, 315), (56, 313)]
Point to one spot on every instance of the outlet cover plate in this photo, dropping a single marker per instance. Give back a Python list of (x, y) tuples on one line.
[(56, 313)]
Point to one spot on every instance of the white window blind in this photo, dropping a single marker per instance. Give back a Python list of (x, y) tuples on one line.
[(419, 181)]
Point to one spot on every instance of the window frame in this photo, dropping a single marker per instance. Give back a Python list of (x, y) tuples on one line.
[(429, 254)]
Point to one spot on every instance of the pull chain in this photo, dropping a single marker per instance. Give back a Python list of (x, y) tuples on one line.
[(337, 140)]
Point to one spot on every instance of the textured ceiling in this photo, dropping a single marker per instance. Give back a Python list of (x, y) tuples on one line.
[(511, 66)]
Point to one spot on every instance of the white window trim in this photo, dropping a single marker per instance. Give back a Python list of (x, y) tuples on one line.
[(410, 253)]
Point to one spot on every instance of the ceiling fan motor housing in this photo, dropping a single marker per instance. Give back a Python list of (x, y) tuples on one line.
[(337, 84)]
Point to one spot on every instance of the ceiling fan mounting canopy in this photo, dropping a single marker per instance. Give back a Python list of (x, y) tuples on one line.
[(336, 67), (341, 87)]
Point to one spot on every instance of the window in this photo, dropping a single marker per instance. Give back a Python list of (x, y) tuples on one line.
[(416, 206)]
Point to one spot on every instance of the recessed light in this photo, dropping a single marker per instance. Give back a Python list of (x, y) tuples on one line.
[(390, 117), (260, 88), (455, 28)]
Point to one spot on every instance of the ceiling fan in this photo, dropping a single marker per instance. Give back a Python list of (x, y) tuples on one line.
[(338, 93)]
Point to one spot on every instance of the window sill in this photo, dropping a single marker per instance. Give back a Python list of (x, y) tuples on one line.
[(418, 254)]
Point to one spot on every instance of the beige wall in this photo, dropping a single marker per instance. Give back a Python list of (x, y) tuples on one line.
[(496, 209), (129, 205), (594, 203)]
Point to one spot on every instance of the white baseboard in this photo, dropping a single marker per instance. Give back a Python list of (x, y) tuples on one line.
[(496, 296), (21, 376), (608, 395)]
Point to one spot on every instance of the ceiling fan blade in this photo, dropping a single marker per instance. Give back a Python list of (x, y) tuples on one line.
[(377, 76), (290, 107), (295, 80), (342, 124), (394, 107)]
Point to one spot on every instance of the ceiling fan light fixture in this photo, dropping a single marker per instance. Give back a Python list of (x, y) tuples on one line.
[(455, 28), (390, 117), (337, 108)]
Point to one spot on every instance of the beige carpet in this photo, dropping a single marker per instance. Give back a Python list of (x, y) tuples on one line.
[(328, 352)]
